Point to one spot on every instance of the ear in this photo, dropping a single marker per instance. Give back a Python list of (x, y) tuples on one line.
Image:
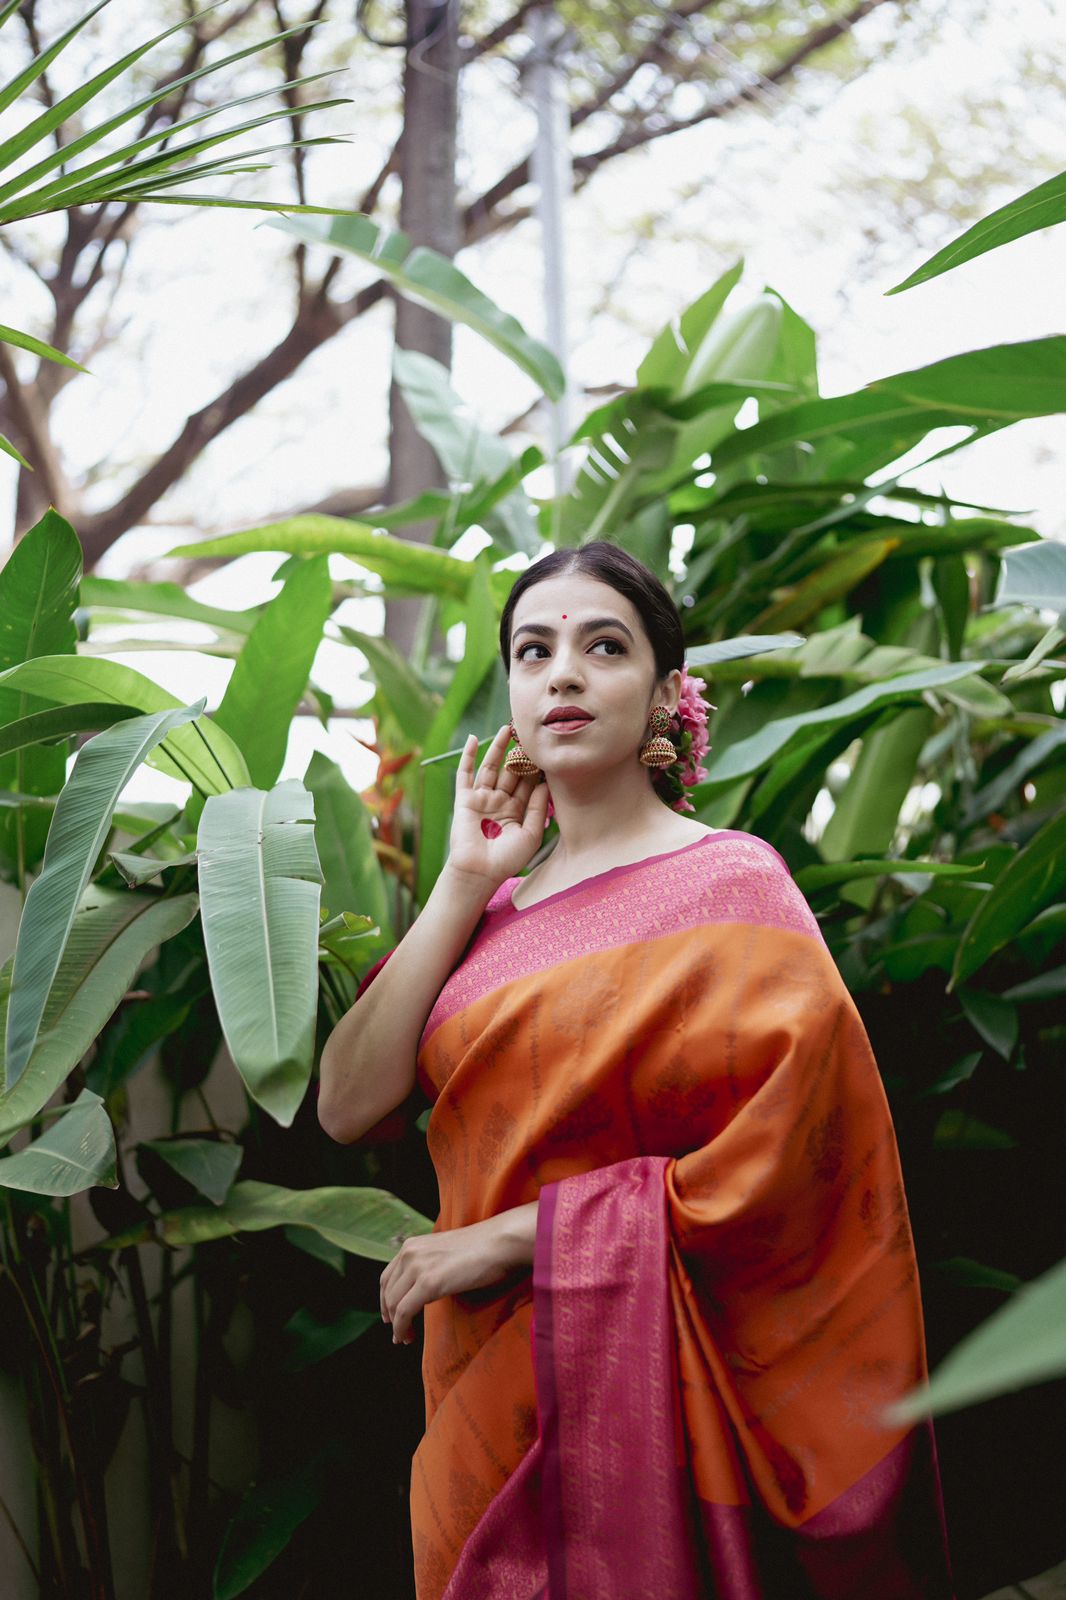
[(668, 692)]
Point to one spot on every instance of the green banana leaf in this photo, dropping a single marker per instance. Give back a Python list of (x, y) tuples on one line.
[(1027, 883), (138, 869), (272, 670), (112, 933), (80, 824), (397, 686), (77, 1152), (352, 880), (1041, 207), (431, 279), (260, 885), (417, 568), (308, 1340), (1018, 1345), (38, 594), (677, 348), (759, 749), (123, 599), (206, 1164), (267, 1518), (363, 1221), (1034, 575), (470, 455), (984, 388), (49, 727), (201, 754)]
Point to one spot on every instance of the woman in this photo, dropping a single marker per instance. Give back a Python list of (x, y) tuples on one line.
[(672, 1286)]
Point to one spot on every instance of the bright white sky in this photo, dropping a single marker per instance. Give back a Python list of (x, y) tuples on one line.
[(781, 186)]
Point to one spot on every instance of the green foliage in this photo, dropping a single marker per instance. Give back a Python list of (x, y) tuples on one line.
[(259, 881), (155, 167), (888, 715), (430, 279)]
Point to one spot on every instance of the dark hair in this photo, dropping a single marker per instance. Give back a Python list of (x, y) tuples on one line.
[(615, 566)]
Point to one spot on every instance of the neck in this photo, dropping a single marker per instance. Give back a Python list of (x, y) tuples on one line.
[(604, 812)]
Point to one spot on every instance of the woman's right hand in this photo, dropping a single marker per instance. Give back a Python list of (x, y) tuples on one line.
[(499, 816)]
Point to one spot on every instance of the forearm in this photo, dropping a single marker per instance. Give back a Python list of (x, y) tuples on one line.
[(516, 1235)]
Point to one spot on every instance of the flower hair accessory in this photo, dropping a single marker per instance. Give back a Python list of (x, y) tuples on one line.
[(687, 732)]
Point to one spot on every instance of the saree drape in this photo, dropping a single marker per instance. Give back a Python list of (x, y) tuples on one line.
[(683, 1398)]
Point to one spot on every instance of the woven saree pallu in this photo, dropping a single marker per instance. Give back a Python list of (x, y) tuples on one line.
[(683, 1399)]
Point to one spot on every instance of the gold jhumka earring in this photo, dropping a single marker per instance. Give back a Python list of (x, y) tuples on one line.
[(658, 751), (516, 760)]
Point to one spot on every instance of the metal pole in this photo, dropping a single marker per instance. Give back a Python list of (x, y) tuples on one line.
[(553, 176)]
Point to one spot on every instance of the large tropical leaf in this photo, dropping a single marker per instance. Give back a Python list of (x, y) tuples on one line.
[(75, 1153), (260, 887), (38, 594), (1027, 884), (80, 824), (398, 688), (1038, 208), (1034, 575), (770, 741), (363, 1221), (352, 880), (404, 565), (471, 456), (111, 934), (1020, 1344), (201, 754), (272, 670), (205, 1164), (983, 389), (55, 725), (268, 1516), (109, 600), (431, 279)]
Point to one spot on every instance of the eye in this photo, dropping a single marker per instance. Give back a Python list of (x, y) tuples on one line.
[(619, 647)]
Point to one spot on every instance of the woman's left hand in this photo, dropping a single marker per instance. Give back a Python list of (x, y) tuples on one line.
[(430, 1265)]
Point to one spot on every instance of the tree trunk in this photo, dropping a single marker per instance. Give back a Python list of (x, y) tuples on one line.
[(429, 216)]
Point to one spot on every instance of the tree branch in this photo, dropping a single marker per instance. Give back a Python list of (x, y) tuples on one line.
[(318, 317)]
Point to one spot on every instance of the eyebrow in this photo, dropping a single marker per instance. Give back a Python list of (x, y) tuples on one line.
[(591, 626)]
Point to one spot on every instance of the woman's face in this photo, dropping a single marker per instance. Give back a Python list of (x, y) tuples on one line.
[(577, 642)]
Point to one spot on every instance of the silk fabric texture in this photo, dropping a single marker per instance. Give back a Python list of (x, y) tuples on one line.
[(683, 1398)]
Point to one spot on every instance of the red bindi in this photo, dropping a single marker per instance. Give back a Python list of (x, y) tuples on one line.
[(564, 616), (490, 828)]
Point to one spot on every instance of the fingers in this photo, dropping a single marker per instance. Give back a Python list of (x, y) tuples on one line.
[(488, 773), (397, 1306)]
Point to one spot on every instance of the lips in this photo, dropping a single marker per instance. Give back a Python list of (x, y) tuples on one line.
[(566, 718)]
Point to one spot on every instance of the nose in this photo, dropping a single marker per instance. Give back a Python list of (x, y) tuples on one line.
[(566, 671)]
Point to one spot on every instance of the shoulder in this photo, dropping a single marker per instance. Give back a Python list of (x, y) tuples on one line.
[(740, 850), (738, 876)]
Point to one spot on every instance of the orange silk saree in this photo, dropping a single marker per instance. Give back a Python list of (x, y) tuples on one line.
[(683, 1398)]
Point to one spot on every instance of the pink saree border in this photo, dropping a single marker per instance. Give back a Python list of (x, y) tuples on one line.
[(602, 1504), (616, 1500), (746, 882)]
